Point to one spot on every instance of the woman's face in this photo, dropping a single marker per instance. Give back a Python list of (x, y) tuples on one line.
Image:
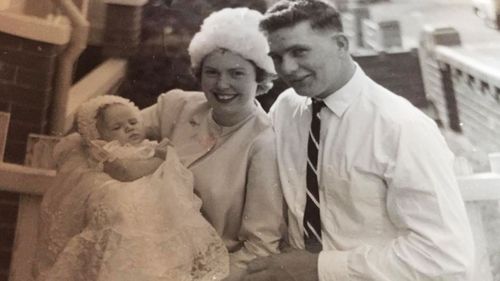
[(229, 83)]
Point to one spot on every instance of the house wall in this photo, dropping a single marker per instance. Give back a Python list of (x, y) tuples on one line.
[(27, 70), (478, 103), (397, 71)]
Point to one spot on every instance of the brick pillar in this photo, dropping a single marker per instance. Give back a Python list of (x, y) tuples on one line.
[(381, 35), (341, 5), (396, 71), (122, 30), (353, 24), (27, 70)]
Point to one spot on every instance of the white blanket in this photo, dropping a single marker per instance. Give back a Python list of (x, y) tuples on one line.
[(94, 228)]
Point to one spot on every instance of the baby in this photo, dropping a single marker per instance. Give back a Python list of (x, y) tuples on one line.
[(149, 229), (111, 127)]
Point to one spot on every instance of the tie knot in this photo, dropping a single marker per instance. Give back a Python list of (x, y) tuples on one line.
[(317, 105)]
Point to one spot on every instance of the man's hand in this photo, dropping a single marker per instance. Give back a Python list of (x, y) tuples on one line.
[(296, 265)]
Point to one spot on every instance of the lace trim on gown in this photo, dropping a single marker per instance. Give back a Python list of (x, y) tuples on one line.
[(98, 229)]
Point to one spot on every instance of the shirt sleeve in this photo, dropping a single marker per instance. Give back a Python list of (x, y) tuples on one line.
[(423, 201), (263, 224)]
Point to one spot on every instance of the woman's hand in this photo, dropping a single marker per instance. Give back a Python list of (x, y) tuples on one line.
[(116, 169), (131, 169)]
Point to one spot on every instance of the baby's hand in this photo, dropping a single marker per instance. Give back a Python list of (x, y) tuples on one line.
[(161, 149), (99, 153), (161, 152), (164, 143)]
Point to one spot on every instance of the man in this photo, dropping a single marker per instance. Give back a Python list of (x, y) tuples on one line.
[(367, 178)]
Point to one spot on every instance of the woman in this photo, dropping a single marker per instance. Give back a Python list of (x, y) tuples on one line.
[(224, 137)]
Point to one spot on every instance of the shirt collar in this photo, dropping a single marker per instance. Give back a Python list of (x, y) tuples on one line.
[(339, 101)]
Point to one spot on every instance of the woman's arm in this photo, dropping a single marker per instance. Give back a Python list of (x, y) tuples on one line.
[(130, 170), (263, 224)]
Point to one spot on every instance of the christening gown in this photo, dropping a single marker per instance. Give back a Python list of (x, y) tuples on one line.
[(94, 228)]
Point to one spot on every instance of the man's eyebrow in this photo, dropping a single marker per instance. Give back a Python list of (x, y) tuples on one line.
[(290, 48)]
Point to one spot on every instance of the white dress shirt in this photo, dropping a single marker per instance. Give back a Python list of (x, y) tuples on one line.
[(389, 201)]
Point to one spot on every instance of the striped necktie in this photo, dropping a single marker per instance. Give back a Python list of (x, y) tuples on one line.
[(312, 220)]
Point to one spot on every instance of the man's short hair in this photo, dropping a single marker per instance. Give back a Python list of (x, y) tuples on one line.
[(287, 13)]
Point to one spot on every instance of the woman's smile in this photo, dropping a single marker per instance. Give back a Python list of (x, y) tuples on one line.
[(224, 98)]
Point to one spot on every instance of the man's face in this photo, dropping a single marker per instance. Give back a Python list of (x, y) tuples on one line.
[(308, 60)]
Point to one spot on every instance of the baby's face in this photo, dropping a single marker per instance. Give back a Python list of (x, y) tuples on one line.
[(121, 123)]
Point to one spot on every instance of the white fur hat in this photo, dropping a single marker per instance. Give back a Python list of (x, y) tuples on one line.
[(86, 116), (234, 29)]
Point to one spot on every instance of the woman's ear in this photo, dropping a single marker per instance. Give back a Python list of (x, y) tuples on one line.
[(265, 84), (262, 88)]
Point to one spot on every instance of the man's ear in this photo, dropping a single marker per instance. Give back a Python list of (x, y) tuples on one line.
[(342, 41)]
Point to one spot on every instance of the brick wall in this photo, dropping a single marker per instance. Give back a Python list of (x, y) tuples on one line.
[(26, 76), (398, 72), (8, 211), (123, 30), (26, 81)]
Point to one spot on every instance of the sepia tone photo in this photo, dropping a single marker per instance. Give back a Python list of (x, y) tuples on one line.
[(249, 140)]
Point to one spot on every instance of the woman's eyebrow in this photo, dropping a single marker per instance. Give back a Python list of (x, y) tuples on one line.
[(237, 68)]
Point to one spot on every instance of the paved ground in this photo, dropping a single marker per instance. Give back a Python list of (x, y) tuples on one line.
[(413, 14)]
